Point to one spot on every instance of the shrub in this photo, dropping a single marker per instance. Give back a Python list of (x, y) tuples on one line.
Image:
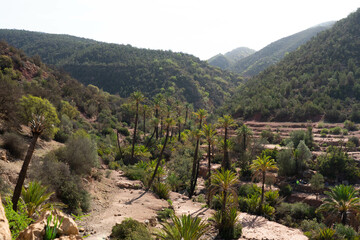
[(164, 214), (355, 140), (335, 130), (285, 190), (124, 131), (162, 190), (297, 211), (351, 126), (226, 223), (130, 229), (324, 131), (14, 144), (345, 232), (249, 189)]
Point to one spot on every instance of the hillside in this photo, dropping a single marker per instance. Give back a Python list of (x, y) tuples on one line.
[(225, 61), (320, 78), (124, 69)]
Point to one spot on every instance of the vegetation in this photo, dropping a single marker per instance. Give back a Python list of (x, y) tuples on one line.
[(130, 229)]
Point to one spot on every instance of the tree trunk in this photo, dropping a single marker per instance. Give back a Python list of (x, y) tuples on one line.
[(159, 159), (151, 137), (157, 126), (209, 171), (134, 136), (226, 161), (186, 117), (118, 142), (194, 169), (344, 218), (144, 123), (22, 174), (179, 136), (262, 190)]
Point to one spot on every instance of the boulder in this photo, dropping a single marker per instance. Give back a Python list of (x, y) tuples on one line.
[(5, 233), (36, 231), (127, 184), (3, 155)]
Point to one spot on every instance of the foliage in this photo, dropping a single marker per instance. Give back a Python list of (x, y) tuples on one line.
[(130, 229), (164, 214), (51, 231), (285, 190), (317, 182), (351, 126), (162, 190), (19, 220), (341, 202), (226, 223), (185, 227), (34, 197), (14, 144)]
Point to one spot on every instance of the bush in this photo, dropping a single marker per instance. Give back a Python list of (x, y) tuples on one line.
[(324, 131), (345, 232), (124, 131), (162, 190), (351, 126), (335, 130), (355, 140), (285, 190), (164, 214), (130, 229), (248, 190), (297, 211), (14, 144)]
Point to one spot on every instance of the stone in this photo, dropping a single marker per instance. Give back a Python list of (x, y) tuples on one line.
[(67, 230), (127, 184), (5, 233), (3, 155)]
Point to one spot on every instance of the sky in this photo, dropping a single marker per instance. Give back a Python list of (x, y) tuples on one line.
[(202, 28)]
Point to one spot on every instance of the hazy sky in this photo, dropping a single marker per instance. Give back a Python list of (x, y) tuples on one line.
[(203, 28)]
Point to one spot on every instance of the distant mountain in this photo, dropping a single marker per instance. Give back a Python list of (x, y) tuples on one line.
[(124, 69), (274, 52), (321, 79), (225, 61)]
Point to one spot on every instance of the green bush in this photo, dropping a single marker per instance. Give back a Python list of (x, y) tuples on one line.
[(164, 214), (248, 190), (324, 131), (285, 190), (162, 190), (130, 229), (345, 232), (351, 126), (335, 130), (297, 211), (124, 131), (355, 140), (14, 144)]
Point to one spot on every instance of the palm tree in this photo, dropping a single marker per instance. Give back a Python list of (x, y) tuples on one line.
[(137, 97), (244, 133), (180, 120), (154, 122), (226, 122), (261, 165), (201, 115), (210, 133), (197, 133), (188, 106), (224, 183), (158, 100), (169, 123), (184, 228), (342, 201), (145, 109)]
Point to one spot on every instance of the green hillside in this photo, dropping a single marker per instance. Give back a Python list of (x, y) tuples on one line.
[(321, 78), (124, 69), (225, 61)]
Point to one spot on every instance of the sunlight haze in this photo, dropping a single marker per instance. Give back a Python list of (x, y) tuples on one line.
[(202, 28)]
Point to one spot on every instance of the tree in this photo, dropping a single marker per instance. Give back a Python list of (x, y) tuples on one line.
[(41, 115), (302, 154), (244, 134), (145, 109), (317, 183), (137, 97), (261, 165), (210, 133), (200, 115), (180, 120), (226, 122), (158, 100), (224, 182), (341, 202), (169, 123), (197, 133)]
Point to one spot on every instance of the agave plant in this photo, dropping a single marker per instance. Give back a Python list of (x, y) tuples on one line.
[(183, 228)]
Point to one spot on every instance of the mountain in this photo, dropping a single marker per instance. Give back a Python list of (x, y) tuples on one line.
[(274, 52), (319, 79), (124, 69), (225, 61)]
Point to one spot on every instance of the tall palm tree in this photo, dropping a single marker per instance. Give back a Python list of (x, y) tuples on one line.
[(261, 165), (145, 109), (185, 228), (226, 122), (210, 134), (341, 201), (180, 120), (188, 106), (155, 123), (137, 97), (244, 133), (169, 123), (201, 116), (158, 101), (197, 133)]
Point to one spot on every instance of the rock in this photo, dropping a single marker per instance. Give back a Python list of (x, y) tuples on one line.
[(3, 155), (67, 231), (153, 221), (4, 225), (127, 184)]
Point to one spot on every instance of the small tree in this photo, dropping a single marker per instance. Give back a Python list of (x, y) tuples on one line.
[(41, 115), (226, 122), (317, 183)]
